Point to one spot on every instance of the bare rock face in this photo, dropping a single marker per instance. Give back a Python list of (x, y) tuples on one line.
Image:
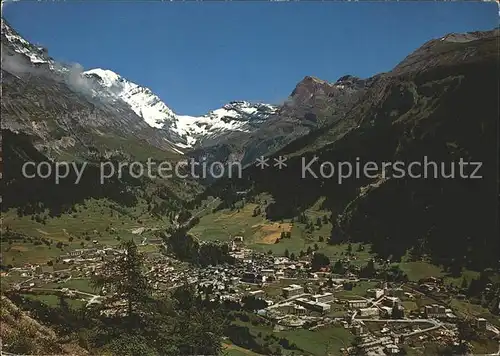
[(98, 107), (319, 102), (313, 104), (63, 111)]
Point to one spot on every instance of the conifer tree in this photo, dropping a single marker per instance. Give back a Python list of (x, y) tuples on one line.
[(124, 279)]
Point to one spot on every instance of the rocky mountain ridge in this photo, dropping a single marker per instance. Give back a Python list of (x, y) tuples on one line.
[(54, 104), (440, 104), (238, 130), (184, 130), (23, 61)]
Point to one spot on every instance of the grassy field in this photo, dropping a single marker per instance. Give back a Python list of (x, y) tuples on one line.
[(417, 270), (224, 225), (234, 350), (466, 309), (319, 342), (19, 254), (409, 306), (322, 341), (261, 234), (53, 300), (420, 269), (80, 284), (7, 281), (359, 290), (95, 220), (485, 346)]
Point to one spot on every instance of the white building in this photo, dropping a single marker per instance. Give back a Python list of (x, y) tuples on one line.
[(481, 323), (358, 303), (267, 272), (257, 293), (291, 308), (312, 305), (357, 330), (292, 290), (323, 298), (391, 349), (369, 312), (435, 311), (390, 301), (395, 292), (375, 293)]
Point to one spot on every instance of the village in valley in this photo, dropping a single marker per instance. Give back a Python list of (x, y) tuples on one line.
[(378, 316), (292, 199)]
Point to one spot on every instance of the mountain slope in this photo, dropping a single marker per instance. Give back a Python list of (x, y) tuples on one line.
[(62, 112), (22, 334), (441, 102), (51, 113)]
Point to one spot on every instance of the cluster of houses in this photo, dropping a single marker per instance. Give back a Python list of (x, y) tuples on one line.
[(307, 297)]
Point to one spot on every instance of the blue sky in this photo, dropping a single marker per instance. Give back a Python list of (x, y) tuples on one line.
[(198, 56)]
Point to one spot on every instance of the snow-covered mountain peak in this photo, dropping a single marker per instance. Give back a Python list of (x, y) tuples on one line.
[(107, 77), (243, 110), (109, 87), (234, 116), (144, 102), (36, 54), (186, 131)]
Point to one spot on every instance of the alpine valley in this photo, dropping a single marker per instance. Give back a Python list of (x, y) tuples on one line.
[(271, 263)]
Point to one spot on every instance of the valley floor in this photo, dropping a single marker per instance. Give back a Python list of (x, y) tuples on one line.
[(55, 256)]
